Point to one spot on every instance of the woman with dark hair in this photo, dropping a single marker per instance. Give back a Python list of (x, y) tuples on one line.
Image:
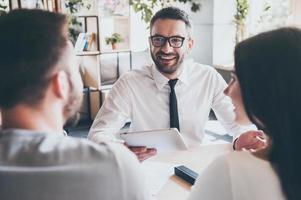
[(265, 89)]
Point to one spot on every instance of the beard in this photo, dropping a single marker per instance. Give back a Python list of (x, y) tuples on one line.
[(73, 104), (162, 64)]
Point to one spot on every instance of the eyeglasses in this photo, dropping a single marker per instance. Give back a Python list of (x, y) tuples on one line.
[(174, 41)]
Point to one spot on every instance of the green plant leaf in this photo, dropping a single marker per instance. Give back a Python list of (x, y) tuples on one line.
[(147, 10)]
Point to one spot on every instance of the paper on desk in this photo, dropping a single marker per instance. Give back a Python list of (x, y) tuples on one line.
[(215, 127), (215, 133), (157, 174)]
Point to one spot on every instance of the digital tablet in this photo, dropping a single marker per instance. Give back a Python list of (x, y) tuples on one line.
[(163, 140)]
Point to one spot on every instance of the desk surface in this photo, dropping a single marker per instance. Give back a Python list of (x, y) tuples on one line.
[(196, 159)]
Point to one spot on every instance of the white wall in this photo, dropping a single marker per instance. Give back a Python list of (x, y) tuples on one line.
[(203, 31), (223, 32)]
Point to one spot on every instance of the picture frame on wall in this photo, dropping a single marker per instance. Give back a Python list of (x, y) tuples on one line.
[(51, 5), (4, 6), (18, 4)]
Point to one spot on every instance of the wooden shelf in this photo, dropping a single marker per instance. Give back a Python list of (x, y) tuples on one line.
[(94, 53), (102, 87), (80, 15), (107, 87), (88, 53), (123, 17), (108, 51), (91, 60)]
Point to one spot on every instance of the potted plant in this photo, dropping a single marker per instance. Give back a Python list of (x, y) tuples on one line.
[(74, 25), (114, 39), (242, 10)]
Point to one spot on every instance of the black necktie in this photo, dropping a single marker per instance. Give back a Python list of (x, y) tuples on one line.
[(173, 105)]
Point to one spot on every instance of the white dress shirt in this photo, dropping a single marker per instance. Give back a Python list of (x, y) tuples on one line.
[(238, 176), (36, 166), (142, 97)]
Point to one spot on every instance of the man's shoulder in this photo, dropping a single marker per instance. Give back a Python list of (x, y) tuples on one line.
[(47, 149), (134, 77), (201, 68), (197, 71), (134, 74), (88, 151), (113, 161), (75, 162)]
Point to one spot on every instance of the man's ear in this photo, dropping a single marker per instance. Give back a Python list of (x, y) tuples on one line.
[(190, 44), (60, 85), (150, 43)]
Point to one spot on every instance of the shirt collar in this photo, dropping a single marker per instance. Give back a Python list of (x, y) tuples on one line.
[(161, 80)]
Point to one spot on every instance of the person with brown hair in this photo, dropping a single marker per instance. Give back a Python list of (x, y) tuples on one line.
[(40, 89)]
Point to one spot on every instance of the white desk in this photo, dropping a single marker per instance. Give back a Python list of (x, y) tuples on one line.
[(196, 159)]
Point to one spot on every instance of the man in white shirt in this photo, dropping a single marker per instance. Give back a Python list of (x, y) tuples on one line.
[(146, 97), (40, 88)]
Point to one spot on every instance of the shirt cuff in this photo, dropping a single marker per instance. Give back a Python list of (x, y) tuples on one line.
[(234, 142)]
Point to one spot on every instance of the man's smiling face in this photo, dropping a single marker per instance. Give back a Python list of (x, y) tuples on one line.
[(168, 58)]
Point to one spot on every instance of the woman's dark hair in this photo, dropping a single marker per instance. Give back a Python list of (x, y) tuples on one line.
[(32, 42), (268, 67)]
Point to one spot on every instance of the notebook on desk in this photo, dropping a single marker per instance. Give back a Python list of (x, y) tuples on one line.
[(164, 140)]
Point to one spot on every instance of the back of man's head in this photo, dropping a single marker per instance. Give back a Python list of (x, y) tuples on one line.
[(31, 45)]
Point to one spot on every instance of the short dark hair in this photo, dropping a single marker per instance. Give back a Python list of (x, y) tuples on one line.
[(268, 68), (31, 45), (171, 13)]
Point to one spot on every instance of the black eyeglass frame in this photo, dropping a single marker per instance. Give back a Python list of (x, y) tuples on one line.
[(167, 39)]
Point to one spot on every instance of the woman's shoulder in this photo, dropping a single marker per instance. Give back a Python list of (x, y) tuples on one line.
[(245, 159), (238, 164), (238, 175)]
